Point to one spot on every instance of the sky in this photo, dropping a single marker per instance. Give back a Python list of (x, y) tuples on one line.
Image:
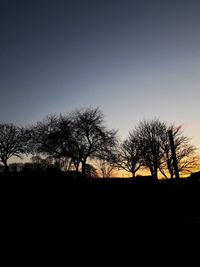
[(135, 60)]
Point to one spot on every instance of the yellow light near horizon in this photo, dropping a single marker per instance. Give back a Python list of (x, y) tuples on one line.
[(121, 174), (125, 174)]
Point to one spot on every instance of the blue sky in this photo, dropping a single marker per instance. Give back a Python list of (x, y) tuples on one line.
[(133, 59)]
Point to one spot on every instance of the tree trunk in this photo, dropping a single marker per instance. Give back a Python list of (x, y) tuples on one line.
[(133, 174), (77, 166), (84, 168), (6, 168), (163, 173), (154, 172), (156, 175)]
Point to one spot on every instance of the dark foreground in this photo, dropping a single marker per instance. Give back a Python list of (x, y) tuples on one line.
[(50, 219)]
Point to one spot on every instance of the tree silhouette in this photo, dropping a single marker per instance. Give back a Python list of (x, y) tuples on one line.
[(77, 136), (12, 143), (149, 143), (39, 163), (130, 158), (50, 137), (90, 171), (41, 136), (90, 137), (105, 168), (185, 153), (151, 135), (73, 140)]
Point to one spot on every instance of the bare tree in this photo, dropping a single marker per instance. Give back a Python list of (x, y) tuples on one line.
[(130, 154), (12, 143), (43, 136), (90, 171), (187, 158), (39, 163), (105, 168), (90, 137), (155, 150), (151, 135), (66, 164), (50, 137), (77, 136)]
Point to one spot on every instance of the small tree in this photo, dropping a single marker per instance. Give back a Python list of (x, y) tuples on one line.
[(105, 168), (130, 154), (12, 143), (50, 137), (43, 136), (91, 171), (39, 163)]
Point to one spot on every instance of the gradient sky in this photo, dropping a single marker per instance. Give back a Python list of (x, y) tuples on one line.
[(133, 59)]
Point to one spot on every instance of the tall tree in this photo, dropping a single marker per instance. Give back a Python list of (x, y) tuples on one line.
[(187, 158), (78, 136), (12, 143), (151, 136), (155, 149), (90, 137)]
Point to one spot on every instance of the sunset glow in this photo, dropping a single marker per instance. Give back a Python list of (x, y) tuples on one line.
[(134, 60)]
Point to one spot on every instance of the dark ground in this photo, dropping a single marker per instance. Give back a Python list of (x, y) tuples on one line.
[(51, 219)]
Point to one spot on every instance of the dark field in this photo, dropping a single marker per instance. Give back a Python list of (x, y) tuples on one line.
[(52, 219)]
